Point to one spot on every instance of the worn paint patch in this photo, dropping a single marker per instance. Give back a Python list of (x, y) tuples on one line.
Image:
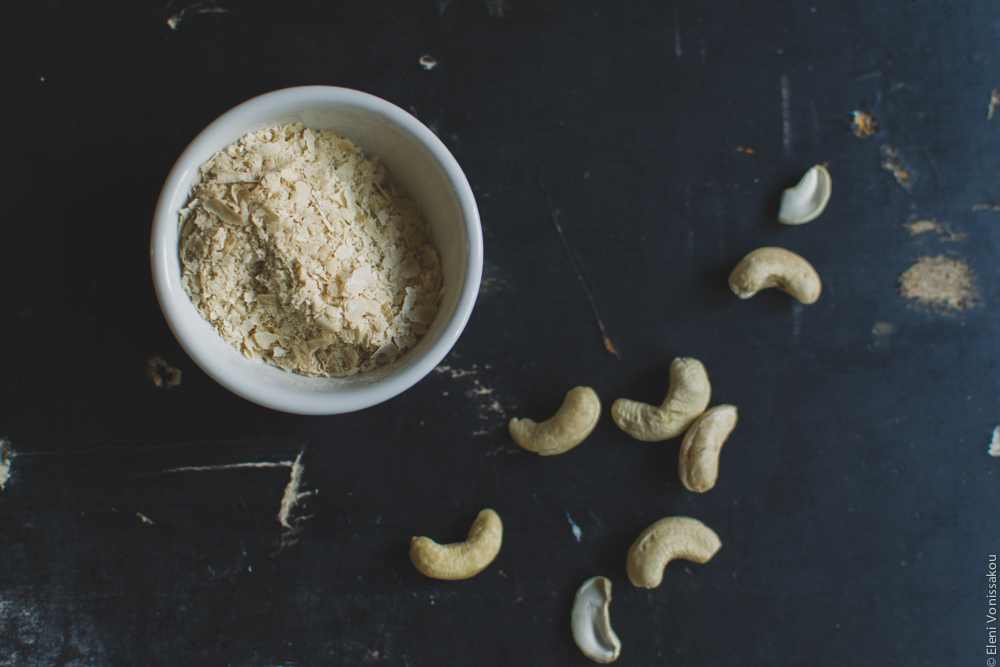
[(883, 329), (995, 442), (893, 163), (162, 374), (940, 283), (921, 227)]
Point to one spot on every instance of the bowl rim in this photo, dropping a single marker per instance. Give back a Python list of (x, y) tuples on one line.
[(287, 399)]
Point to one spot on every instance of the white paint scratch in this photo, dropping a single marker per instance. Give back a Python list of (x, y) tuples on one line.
[(292, 497), (577, 533), (145, 519), (231, 466), (6, 454), (797, 310), (786, 115), (678, 51), (995, 442), (176, 19)]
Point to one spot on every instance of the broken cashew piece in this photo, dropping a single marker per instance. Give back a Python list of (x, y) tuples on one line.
[(808, 199), (699, 458), (668, 539), (570, 426), (775, 267), (460, 560), (687, 398), (591, 622)]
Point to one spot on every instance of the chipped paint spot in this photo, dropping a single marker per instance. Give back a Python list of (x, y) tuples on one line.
[(995, 442), (883, 329)]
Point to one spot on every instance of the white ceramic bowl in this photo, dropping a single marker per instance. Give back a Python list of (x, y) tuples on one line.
[(417, 160)]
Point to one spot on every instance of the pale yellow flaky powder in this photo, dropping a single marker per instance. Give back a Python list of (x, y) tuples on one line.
[(303, 253)]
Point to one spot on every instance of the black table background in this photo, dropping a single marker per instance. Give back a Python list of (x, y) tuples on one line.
[(856, 502)]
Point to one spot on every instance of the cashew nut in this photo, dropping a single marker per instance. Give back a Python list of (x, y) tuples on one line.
[(667, 539), (808, 199), (591, 623), (699, 459), (460, 560), (565, 430), (687, 398), (775, 267)]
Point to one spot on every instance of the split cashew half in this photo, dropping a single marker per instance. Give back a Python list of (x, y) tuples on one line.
[(565, 430), (687, 398), (775, 267), (808, 199), (591, 622), (699, 458), (460, 560), (667, 539)]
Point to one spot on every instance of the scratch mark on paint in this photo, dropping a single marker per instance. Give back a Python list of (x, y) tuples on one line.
[(145, 519), (677, 35), (292, 497), (608, 344), (231, 466), (6, 454), (176, 19), (786, 115), (577, 533)]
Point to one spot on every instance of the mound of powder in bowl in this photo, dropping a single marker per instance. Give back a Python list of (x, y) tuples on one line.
[(303, 253)]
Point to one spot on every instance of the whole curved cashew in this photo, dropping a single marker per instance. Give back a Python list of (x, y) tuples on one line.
[(460, 560), (775, 267), (699, 458), (687, 398), (667, 539), (570, 426), (591, 622)]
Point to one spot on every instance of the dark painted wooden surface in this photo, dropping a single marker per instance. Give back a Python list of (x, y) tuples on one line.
[(856, 504)]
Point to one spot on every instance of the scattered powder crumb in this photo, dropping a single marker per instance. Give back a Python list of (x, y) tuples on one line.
[(428, 62), (162, 374), (864, 125), (941, 283), (894, 164), (145, 519), (302, 253), (994, 102), (995, 442), (6, 454), (920, 227), (883, 329)]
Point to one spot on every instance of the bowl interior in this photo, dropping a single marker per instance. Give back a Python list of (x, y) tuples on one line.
[(415, 161)]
